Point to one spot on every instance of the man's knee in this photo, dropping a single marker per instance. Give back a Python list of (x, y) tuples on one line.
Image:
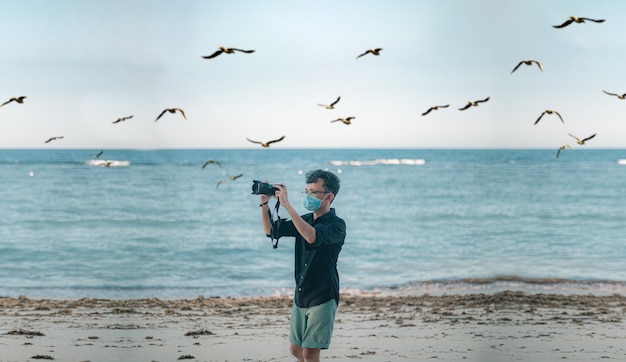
[(296, 351), (311, 354)]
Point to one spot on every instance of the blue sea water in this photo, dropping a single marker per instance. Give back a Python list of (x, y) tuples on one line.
[(156, 224)]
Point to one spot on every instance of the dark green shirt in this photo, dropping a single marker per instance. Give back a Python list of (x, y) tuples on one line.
[(315, 271)]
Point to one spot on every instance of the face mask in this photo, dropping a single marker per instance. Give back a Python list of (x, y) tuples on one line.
[(311, 203)]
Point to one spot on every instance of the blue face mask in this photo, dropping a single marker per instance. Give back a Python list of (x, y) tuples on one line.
[(311, 203)]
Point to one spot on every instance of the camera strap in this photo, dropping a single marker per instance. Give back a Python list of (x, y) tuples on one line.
[(275, 224)]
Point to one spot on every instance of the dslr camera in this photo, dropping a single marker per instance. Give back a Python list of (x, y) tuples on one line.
[(263, 188)]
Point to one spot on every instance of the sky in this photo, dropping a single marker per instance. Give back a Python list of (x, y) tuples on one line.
[(84, 64)]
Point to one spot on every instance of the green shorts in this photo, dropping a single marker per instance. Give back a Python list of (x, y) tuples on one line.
[(312, 327)]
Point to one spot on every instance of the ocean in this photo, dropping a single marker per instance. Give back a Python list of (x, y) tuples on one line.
[(154, 223)]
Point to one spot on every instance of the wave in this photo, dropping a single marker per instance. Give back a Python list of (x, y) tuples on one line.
[(467, 286), (621, 161), (506, 283), (108, 163), (380, 161)]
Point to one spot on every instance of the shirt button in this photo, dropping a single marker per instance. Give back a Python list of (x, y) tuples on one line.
[(306, 264), (299, 289)]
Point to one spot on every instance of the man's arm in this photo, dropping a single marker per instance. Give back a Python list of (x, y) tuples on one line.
[(307, 231), (265, 216)]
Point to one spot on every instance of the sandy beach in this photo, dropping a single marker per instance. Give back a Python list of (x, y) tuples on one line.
[(505, 326)]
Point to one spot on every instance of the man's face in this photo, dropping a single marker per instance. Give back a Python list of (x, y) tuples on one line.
[(316, 189)]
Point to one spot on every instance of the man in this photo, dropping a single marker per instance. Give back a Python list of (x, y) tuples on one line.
[(319, 238)]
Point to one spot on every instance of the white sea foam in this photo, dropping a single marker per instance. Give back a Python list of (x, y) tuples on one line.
[(108, 163), (621, 161), (380, 161), (500, 284)]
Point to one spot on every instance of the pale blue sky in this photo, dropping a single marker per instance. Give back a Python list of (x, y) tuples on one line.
[(83, 64)]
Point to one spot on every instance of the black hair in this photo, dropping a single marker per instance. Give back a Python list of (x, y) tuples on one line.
[(331, 181)]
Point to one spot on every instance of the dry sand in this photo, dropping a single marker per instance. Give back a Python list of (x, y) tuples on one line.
[(505, 326)]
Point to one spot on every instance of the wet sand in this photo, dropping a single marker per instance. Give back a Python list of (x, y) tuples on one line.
[(505, 326)]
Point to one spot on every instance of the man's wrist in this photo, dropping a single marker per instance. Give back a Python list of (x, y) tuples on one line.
[(288, 207)]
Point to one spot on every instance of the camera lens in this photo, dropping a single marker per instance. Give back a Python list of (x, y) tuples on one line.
[(262, 188)]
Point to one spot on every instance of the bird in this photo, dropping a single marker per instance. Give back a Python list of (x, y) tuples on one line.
[(227, 51), (620, 96), (122, 119), (372, 51), (268, 143), (561, 149), (210, 162), (171, 110), (582, 141), (14, 99), (528, 62), (434, 108), (575, 19), (549, 111), (330, 106), (53, 138), (97, 155), (347, 120), (473, 104), (233, 178)]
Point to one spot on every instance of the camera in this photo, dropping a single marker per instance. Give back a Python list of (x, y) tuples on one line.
[(263, 188)]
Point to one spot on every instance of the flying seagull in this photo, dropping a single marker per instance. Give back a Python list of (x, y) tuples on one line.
[(582, 141), (232, 178), (620, 96), (53, 138), (549, 111), (558, 152), (268, 143), (473, 104), (122, 119), (97, 155), (210, 162), (575, 19), (14, 99), (227, 51), (330, 106), (347, 120), (434, 108), (171, 110), (528, 62), (372, 51)]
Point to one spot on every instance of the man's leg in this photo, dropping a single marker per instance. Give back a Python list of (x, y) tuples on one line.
[(296, 351), (297, 326), (305, 354), (312, 327), (311, 354)]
